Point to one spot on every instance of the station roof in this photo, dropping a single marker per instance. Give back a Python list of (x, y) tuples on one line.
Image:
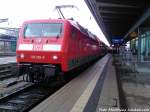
[(118, 18)]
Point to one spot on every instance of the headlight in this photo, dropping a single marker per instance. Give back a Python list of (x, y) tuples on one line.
[(22, 56), (55, 57)]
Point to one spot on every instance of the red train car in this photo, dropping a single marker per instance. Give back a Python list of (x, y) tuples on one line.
[(46, 47)]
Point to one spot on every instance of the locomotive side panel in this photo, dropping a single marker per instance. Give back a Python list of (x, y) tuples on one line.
[(82, 48), (73, 49)]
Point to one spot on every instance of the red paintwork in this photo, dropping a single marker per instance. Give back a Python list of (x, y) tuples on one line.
[(72, 47)]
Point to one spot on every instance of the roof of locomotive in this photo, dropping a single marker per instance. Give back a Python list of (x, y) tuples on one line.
[(72, 22), (50, 20)]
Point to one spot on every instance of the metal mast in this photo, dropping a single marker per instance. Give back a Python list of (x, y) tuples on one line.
[(59, 7)]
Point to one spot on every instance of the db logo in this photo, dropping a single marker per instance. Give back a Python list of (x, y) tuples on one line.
[(39, 40), (37, 47)]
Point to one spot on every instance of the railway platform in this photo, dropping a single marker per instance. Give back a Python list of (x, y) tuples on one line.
[(134, 78), (93, 90), (7, 60)]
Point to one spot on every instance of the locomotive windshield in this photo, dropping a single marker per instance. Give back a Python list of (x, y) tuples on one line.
[(43, 30)]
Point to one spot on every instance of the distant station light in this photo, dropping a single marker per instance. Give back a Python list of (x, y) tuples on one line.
[(133, 34)]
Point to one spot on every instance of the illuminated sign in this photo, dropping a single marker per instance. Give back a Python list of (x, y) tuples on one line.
[(117, 41)]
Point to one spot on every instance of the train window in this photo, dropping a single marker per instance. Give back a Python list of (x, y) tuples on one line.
[(43, 30)]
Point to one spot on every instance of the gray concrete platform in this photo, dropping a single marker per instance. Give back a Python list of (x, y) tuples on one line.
[(82, 93), (109, 98), (135, 83), (7, 60)]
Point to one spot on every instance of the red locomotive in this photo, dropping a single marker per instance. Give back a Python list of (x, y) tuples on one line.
[(47, 47)]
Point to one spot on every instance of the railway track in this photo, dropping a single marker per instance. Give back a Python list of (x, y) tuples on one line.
[(28, 97), (6, 71), (25, 99)]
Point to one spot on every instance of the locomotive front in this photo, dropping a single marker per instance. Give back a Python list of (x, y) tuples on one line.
[(39, 49)]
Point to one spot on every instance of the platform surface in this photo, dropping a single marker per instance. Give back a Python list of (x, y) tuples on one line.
[(109, 98), (7, 60), (75, 95)]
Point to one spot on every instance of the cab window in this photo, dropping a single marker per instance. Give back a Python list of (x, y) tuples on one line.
[(43, 30)]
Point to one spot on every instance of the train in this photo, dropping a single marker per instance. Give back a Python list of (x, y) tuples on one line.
[(51, 47)]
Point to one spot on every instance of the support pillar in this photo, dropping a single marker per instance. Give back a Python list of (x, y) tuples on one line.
[(139, 45)]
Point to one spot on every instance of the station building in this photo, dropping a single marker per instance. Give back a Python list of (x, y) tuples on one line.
[(8, 38), (141, 43)]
